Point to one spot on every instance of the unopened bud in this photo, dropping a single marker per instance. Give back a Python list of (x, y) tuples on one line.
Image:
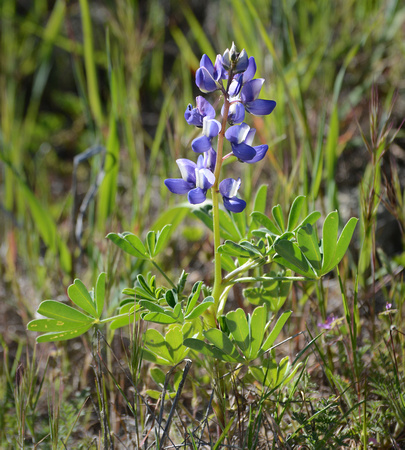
[(232, 59)]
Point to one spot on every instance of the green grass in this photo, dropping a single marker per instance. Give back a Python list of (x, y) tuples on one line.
[(79, 75)]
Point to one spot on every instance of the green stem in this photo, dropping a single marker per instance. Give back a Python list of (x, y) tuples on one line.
[(218, 287), (250, 264), (161, 271), (255, 279), (110, 319)]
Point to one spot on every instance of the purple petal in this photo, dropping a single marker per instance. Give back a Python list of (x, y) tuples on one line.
[(187, 170), (251, 90), (178, 186), (243, 62), (204, 80), (229, 187), (193, 116), (204, 179), (219, 71), (205, 107), (201, 144), (211, 127), (260, 107), (196, 196), (250, 136), (235, 86), (210, 159), (250, 71), (237, 133), (234, 204), (260, 153), (236, 113), (206, 62), (243, 151)]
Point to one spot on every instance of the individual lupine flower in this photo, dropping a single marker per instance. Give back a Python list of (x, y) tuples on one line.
[(208, 77), (228, 188), (195, 182), (236, 113), (249, 97), (195, 116), (211, 128), (241, 138), (234, 61), (243, 94)]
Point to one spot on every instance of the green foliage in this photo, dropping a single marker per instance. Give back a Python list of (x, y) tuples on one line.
[(131, 244), (65, 322), (243, 340)]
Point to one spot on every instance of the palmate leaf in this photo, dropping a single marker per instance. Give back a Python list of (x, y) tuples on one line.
[(344, 241), (64, 322), (168, 348)]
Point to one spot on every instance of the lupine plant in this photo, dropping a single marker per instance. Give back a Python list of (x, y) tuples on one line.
[(265, 253)]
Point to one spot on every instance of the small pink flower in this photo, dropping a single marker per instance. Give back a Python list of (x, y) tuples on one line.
[(328, 324)]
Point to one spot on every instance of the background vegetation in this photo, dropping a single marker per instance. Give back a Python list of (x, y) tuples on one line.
[(92, 99)]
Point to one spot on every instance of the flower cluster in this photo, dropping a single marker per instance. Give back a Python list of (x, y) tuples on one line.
[(240, 96)]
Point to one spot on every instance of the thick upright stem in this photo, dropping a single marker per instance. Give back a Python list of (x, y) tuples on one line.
[(218, 288)]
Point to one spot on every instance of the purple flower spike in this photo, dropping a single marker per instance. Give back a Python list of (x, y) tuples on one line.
[(228, 189), (211, 128), (208, 76), (196, 180), (195, 116)]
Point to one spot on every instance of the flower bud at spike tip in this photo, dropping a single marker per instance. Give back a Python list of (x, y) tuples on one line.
[(235, 61)]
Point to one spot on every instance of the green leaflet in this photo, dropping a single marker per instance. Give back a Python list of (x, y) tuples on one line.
[(99, 294), (291, 256), (239, 329), (64, 335), (257, 326), (80, 296), (271, 338), (308, 243), (60, 311)]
